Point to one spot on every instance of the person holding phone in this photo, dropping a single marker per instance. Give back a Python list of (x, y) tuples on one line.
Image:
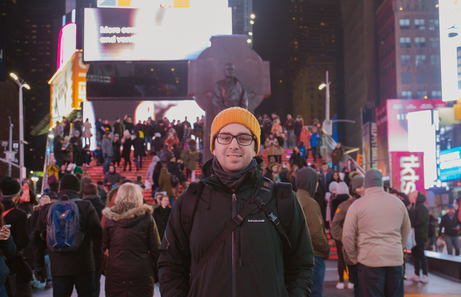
[(8, 250)]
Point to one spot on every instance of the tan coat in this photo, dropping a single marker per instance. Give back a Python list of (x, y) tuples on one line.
[(164, 182), (315, 224), (272, 146), (376, 229)]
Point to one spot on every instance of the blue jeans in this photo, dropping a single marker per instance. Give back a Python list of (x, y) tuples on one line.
[(452, 242), (107, 161), (136, 162), (148, 139), (318, 277), (3, 291), (291, 138), (64, 285), (380, 281)]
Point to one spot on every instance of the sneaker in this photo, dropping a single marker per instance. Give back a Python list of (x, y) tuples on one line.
[(414, 278), (425, 279), (340, 286), (350, 285)]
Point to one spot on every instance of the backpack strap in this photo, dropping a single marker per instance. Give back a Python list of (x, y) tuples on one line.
[(284, 194), (189, 205)]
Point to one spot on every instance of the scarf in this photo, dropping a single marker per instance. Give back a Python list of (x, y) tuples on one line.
[(233, 180)]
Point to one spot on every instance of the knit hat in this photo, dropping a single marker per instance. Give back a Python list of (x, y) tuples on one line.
[(342, 188), (10, 187), (373, 178), (356, 182), (236, 115), (70, 182), (332, 187)]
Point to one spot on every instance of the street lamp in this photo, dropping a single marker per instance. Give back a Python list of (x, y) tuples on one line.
[(327, 97), (21, 83)]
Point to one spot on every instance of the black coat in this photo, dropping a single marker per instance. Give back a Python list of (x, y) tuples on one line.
[(69, 263), (138, 144), (174, 169), (99, 206), (161, 216), (419, 217), (133, 241), (126, 151), (264, 264), (448, 224)]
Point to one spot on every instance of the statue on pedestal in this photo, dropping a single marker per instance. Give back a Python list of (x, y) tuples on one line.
[(229, 92)]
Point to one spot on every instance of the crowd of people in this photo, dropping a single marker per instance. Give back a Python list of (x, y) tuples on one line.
[(242, 224)]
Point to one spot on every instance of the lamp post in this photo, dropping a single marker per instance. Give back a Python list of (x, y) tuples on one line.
[(327, 96), (22, 84)]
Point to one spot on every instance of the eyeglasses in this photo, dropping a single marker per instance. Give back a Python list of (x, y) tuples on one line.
[(242, 139)]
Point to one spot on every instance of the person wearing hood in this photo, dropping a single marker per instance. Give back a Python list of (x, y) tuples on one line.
[(131, 240), (375, 232), (342, 194), (306, 185), (111, 178), (419, 218), (253, 261), (356, 190)]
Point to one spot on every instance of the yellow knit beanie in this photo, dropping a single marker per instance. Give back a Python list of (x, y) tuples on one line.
[(236, 115)]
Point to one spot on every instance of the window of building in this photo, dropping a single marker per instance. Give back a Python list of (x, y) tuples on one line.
[(420, 41), (404, 23), (420, 60), (421, 78), (406, 94), (435, 77), (405, 42), (421, 94), (436, 94), (419, 24), (433, 25), (435, 59), (434, 41), (405, 60), (406, 78)]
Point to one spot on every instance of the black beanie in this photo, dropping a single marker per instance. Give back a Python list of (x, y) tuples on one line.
[(70, 182), (10, 187)]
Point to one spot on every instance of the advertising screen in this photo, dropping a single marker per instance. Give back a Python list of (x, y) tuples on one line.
[(408, 171), (450, 49), (152, 34), (450, 164), (144, 3)]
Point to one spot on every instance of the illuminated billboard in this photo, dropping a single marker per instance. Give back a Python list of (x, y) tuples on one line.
[(450, 164), (152, 34), (450, 49), (67, 44), (143, 3), (408, 171)]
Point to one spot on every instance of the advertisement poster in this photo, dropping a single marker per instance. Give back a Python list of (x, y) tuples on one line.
[(408, 171), (450, 164)]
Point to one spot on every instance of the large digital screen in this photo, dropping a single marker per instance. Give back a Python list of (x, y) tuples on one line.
[(450, 49), (450, 164), (144, 3), (152, 34)]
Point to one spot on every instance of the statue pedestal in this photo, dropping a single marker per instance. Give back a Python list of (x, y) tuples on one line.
[(250, 69)]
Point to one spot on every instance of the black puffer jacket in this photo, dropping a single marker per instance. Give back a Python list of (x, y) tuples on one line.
[(133, 241), (161, 216), (69, 263), (419, 217), (263, 263)]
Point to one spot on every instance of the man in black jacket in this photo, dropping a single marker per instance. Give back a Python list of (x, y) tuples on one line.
[(256, 259), (419, 218), (69, 268), (17, 218), (450, 225)]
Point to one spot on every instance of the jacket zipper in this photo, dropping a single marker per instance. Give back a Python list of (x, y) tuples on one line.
[(234, 272)]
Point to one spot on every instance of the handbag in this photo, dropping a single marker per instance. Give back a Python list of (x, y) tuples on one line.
[(411, 242), (104, 261), (174, 180), (10, 285)]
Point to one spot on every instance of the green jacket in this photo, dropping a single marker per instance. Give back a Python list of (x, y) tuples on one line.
[(253, 261)]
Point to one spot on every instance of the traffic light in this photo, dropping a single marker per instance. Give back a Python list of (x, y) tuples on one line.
[(360, 159)]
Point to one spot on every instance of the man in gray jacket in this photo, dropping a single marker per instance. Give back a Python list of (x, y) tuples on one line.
[(374, 235), (107, 151)]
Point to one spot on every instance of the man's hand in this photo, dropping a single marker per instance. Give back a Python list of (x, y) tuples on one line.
[(5, 234)]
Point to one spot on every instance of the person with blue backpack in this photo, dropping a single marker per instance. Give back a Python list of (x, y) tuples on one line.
[(67, 227)]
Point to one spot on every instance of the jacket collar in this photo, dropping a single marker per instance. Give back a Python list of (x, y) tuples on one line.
[(115, 213)]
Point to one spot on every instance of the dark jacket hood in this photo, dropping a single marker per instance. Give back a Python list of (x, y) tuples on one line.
[(306, 179), (421, 198)]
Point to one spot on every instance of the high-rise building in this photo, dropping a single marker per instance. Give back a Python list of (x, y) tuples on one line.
[(315, 47), (241, 17), (360, 67), (408, 49)]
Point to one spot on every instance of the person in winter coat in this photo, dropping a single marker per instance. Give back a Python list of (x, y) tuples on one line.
[(87, 132), (17, 218), (306, 184), (314, 142), (100, 131), (297, 159), (131, 240), (112, 178), (129, 125), (356, 190), (90, 193), (157, 143), (298, 125), (118, 127), (256, 260), (190, 158), (174, 167), (126, 149), (164, 182), (8, 250), (162, 213), (272, 146), (107, 150), (342, 194), (53, 176), (419, 218), (305, 137), (150, 173), (450, 226), (116, 144), (432, 232), (336, 156), (138, 144), (75, 268)]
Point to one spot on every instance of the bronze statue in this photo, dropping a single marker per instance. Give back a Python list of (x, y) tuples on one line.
[(229, 92)]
